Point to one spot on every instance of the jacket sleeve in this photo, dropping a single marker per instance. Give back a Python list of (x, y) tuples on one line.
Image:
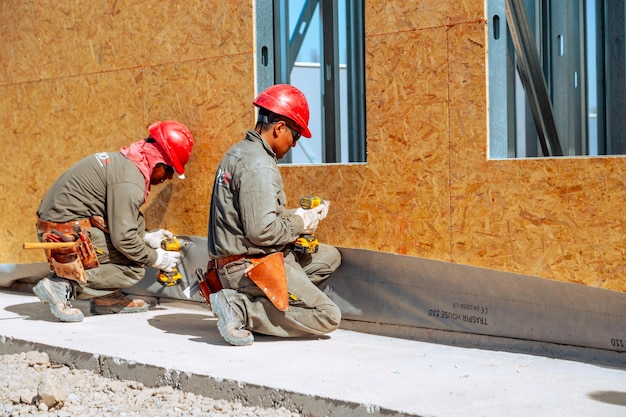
[(262, 209), (126, 223)]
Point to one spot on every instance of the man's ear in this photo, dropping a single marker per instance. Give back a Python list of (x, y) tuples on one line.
[(278, 127), (275, 130)]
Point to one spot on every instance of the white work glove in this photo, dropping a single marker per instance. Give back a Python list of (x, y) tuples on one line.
[(326, 206), (154, 239), (311, 218), (166, 260)]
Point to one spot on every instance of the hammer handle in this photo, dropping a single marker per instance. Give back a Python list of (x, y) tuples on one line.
[(49, 245)]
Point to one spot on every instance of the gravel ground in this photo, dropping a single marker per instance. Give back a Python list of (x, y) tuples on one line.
[(30, 385)]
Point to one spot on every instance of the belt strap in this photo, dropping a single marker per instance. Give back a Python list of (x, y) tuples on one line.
[(65, 228), (224, 261)]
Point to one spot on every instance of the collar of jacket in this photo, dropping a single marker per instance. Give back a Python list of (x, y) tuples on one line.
[(253, 136)]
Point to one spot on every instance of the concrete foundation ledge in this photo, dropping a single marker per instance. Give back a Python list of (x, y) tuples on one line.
[(205, 385), (345, 373)]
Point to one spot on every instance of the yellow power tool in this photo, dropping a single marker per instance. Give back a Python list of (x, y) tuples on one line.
[(169, 279), (307, 243)]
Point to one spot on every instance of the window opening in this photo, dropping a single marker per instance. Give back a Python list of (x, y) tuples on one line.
[(318, 46), (557, 78)]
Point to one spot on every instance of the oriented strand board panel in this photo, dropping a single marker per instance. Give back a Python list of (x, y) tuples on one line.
[(92, 76), (104, 35), (197, 96), (560, 218), (49, 125), (400, 16), (20, 173), (102, 72), (399, 201), (18, 35)]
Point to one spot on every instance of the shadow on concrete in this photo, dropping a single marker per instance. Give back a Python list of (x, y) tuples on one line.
[(199, 327), (610, 397), (41, 312), (203, 328)]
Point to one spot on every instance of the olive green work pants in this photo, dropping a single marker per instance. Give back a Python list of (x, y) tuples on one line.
[(313, 313), (115, 272)]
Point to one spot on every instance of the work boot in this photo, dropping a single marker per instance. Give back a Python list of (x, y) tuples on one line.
[(58, 292), (229, 323), (116, 302)]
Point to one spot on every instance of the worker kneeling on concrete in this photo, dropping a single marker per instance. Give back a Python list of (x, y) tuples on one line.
[(91, 228), (268, 288)]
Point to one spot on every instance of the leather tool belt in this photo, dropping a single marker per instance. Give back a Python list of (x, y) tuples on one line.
[(65, 228), (71, 262), (220, 262), (209, 282), (267, 272)]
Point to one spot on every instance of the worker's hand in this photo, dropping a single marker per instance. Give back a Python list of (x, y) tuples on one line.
[(326, 206), (311, 218), (153, 239), (166, 260)]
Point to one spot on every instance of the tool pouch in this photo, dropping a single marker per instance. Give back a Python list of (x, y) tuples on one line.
[(87, 253), (205, 292), (208, 282), (71, 263), (211, 279), (98, 222), (268, 273)]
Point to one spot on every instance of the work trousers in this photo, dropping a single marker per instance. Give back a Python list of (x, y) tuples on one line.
[(115, 272), (310, 313)]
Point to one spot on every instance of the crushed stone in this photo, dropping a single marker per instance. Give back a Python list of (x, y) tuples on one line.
[(31, 385)]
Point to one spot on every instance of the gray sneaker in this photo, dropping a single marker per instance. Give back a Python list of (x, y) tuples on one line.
[(229, 323), (57, 292)]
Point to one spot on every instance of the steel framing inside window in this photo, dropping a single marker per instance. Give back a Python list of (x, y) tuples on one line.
[(318, 46), (557, 77)]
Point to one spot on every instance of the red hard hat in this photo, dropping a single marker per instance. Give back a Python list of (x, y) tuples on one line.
[(176, 140), (286, 100)]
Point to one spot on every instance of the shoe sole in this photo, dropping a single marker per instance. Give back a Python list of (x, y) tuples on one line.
[(97, 310), (44, 296), (221, 324)]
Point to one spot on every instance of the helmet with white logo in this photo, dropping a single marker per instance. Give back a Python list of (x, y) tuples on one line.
[(176, 140)]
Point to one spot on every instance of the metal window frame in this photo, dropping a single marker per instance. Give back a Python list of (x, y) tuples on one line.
[(270, 69), (264, 41), (552, 76), (357, 139), (562, 39), (531, 73), (615, 75)]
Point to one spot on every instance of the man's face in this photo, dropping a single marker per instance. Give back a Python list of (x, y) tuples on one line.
[(285, 138), (160, 173)]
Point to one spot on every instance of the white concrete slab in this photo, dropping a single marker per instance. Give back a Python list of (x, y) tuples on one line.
[(355, 373)]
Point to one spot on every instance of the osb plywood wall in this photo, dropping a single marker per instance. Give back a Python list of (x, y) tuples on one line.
[(84, 77), (78, 78)]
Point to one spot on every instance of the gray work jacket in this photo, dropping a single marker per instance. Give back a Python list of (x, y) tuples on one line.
[(105, 184), (248, 214)]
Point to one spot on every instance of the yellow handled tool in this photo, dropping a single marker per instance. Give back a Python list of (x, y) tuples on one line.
[(49, 245), (307, 243), (169, 279)]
